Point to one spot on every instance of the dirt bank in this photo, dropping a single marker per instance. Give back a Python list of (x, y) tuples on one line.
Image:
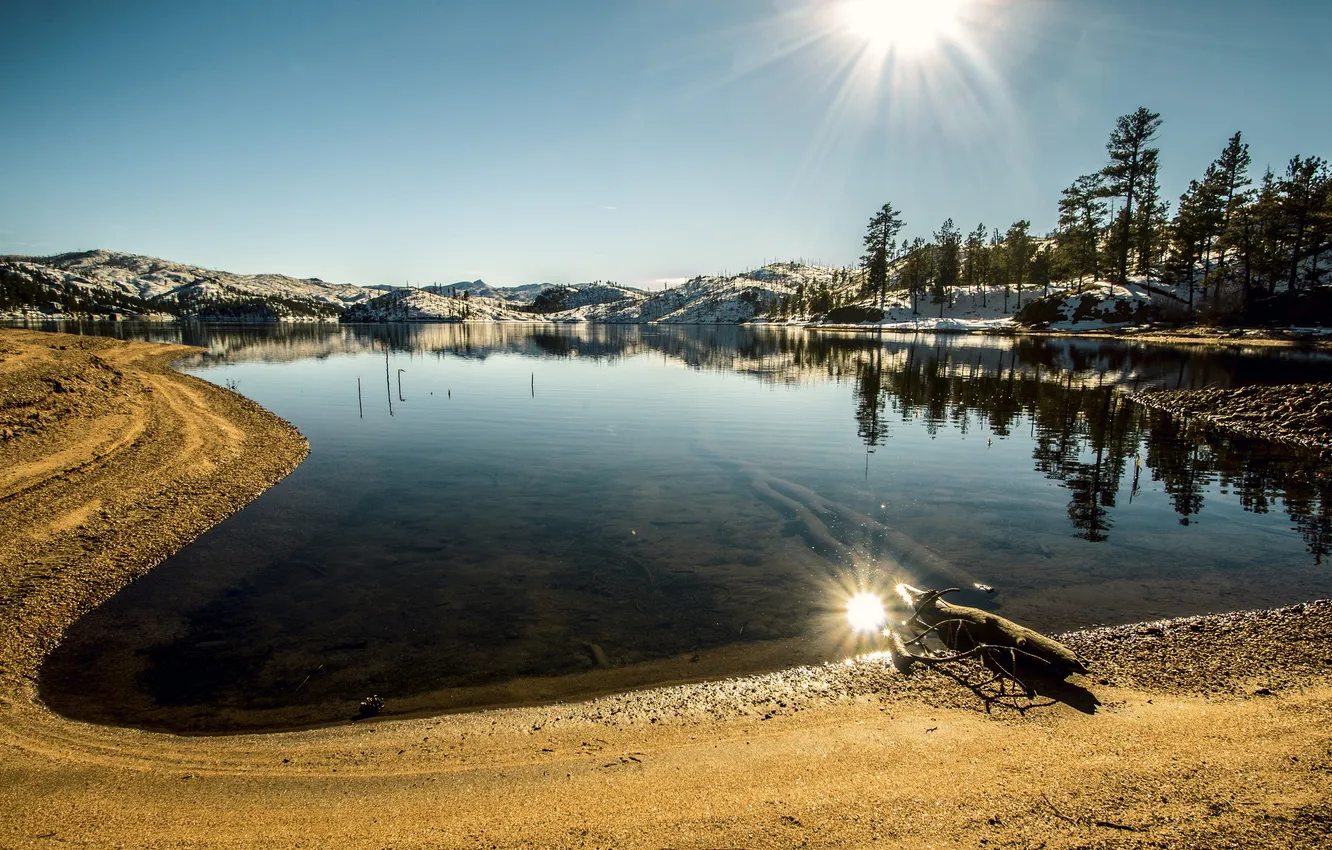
[(1207, 732), (1297, 414), (109, 462)]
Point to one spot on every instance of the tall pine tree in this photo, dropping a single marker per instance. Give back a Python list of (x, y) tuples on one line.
[(948, 263), (880, 247), (1081, 220), (917, 270), (1301, 192), (974, 260), (1018, 249), (1132, 163), (1149, 227), (997, 264), (1232, 170)]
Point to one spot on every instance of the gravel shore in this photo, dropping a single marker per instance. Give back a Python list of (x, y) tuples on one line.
[(1296, 414)]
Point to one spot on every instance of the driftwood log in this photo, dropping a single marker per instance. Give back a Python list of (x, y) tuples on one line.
[(1011, 651)]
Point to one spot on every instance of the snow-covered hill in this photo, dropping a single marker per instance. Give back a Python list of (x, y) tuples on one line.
[(707, 299), (107, 282), (480, 289), (111, 284), (556, 300), (418, 305)]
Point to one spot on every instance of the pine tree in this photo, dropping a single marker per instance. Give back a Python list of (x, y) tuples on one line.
[(973, 263), (1198, 226), (1042, 269), (1268, 263), (1149, 227), (1190, 235), (1241, 236), (1081, 220), (1300, 195), (1019, 249), (917, 270), (1205, 213), (1320, 229), (948, 262), (1131, 164), (880, 247), (1232, 168), (1211, 213), (997, 265)]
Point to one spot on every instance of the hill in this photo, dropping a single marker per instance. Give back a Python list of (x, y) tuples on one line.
[(480, 289), (706, 299), (418, 305), (108, 284), (111, 284)]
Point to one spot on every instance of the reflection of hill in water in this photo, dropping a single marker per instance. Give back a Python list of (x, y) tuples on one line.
[(1088, 437), (786, 355)]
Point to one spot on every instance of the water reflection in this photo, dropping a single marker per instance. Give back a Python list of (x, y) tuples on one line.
[(550, 511), (1086, 435), (767, 352), (1089, 436)]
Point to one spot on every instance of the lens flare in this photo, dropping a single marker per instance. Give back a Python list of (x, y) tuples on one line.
[(910, 26), (906, 592), (865, 613)]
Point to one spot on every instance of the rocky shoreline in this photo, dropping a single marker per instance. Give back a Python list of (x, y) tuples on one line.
[(1295, 414)]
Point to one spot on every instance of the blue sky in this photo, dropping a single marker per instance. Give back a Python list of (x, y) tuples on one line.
[(637, 141)]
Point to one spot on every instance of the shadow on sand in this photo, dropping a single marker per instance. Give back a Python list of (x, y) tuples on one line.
[(1035, 691)]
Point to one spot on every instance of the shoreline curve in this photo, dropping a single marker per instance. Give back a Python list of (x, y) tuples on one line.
[(1188, 731)]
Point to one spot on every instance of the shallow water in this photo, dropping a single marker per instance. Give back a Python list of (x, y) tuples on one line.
[(509, 514)]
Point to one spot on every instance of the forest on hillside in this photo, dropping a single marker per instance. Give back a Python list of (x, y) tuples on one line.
[(1231, 250)]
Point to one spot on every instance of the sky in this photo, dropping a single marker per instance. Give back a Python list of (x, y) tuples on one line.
[(641, 141)]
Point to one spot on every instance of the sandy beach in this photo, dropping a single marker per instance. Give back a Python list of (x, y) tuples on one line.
[(1201, 732)]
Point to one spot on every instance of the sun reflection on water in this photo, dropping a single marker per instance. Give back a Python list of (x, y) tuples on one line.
[(865, 612)]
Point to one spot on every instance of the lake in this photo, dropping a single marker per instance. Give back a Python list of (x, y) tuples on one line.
[(507, 514)]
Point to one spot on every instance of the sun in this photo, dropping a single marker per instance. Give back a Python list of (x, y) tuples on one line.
[(865, 613), (901, 26)]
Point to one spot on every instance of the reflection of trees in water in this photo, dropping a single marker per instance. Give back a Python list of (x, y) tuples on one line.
[(1309, 510), (768, 352), (1183, 466), (1085, 435), (871, 402), (1088, 437), (1092, 484)]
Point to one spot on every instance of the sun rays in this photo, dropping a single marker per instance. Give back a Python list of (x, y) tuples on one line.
[(918, 79), (909, 26)]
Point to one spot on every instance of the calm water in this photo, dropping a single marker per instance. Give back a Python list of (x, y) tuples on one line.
[(516, 514)]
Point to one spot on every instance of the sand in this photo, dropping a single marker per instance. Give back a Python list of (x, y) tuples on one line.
[(1207, 732)]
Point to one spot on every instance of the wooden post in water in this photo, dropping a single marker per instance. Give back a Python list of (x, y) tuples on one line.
[(388, 385), (359, 406)]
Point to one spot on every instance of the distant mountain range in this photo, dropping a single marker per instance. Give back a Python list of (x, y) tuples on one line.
[(108, 284), (111, 285)]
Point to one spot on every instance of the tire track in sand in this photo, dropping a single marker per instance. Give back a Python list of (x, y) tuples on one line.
[(121, 465)]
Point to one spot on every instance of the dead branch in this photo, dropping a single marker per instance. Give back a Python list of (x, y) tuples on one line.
[(1004, 646)]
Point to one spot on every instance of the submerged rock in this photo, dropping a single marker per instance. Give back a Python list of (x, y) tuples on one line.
[(371, 705)]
